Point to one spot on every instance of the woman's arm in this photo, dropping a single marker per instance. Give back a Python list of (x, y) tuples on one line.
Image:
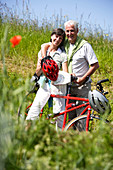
[(38, 69), (65, 66)]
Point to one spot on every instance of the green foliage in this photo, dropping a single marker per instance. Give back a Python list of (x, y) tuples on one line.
[(37, 145)]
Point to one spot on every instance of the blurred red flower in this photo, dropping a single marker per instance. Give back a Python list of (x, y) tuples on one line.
[(15, 40)]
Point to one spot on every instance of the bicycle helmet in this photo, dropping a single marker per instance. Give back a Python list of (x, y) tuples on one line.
[(99, 102), (50, 68)]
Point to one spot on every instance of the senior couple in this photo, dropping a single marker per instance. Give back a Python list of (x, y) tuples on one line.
[(74, 56)]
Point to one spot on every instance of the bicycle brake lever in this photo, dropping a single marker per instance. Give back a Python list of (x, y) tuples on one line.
[(106, 92)]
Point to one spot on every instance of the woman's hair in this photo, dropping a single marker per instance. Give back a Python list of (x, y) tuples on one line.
[(60, 32)]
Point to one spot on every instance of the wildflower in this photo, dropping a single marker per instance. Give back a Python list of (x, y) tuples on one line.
[(15, 40), (107, 35)]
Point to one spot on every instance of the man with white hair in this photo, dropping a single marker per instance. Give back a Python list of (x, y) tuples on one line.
[(82, 62)]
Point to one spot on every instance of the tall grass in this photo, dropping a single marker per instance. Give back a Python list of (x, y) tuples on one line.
[(40, 147)]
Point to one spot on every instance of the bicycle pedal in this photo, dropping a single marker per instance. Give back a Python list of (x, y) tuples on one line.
[(50, 115), (53, 122)]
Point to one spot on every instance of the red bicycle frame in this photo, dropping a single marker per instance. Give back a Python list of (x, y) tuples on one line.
[(72, 106)]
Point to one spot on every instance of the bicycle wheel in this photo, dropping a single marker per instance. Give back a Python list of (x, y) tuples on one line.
[(25, 105), (79, 123)]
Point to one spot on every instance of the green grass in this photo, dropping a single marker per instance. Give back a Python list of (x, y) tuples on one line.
[(41, 147)]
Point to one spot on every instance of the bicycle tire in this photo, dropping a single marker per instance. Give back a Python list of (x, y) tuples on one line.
[(74, 121), (25, 106)]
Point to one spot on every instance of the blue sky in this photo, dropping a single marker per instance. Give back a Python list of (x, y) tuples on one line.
[(94, 12)]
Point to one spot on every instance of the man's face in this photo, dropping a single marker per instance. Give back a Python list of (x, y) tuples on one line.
[(71, 33)]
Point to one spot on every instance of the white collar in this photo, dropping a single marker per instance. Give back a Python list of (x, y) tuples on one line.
[(57, 51)]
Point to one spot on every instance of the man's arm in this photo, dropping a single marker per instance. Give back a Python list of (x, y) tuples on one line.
[(41, 54), (44, 48), (91, 70)]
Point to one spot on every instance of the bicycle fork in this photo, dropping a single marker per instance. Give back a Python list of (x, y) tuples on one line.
[(65, 115), (88, 117)]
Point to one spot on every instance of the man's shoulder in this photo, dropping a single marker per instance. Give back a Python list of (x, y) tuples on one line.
[(87, 45)]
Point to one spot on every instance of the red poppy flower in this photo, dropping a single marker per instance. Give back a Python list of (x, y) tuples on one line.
[(15, 40)]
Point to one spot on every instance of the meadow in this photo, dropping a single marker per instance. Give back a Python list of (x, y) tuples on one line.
[(41, 147)]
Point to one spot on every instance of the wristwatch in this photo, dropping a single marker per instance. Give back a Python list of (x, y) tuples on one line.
[(87, 78)]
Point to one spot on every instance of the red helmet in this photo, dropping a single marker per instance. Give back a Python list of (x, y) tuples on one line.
[(50, 68)]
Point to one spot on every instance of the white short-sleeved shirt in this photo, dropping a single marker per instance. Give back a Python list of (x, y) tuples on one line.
[(58, 56), (84, 57)]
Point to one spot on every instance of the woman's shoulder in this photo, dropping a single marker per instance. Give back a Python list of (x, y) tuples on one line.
[(62, 49)]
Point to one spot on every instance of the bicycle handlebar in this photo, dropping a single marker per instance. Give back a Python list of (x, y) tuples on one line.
[(100, 87), (102, 81), (35, 78), (74, 78)]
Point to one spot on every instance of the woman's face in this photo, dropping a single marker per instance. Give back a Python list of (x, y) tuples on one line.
[(56, 39)]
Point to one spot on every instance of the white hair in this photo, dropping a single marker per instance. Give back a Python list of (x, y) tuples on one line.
[(71, 22)]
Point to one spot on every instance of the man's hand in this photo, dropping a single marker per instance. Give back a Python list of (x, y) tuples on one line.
[(82, 80)]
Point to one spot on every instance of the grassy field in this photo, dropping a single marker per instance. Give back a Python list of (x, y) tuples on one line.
[(41, 147)]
